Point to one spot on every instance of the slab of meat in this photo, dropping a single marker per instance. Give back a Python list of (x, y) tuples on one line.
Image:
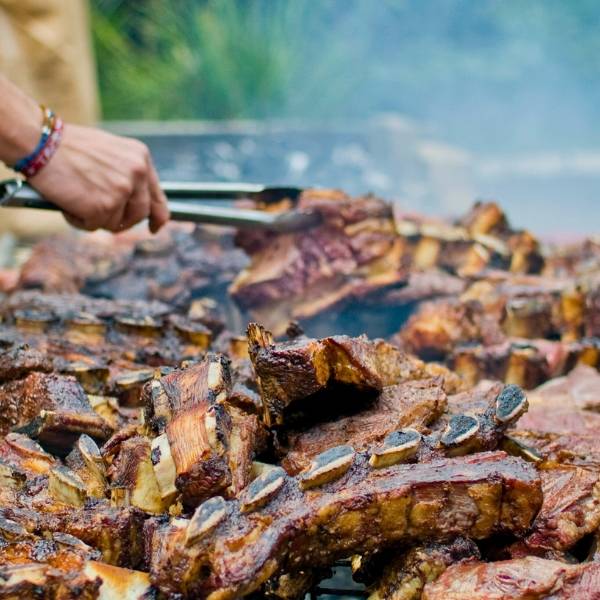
[(438, 327), (62, 306), (410, 404), (204, 444), (419, 287), (172, 267), (570, 511), (496, 308), (563, 421), (566, 406), (362, 251), (288, 372), (528, 578), (481, 240), (123, 546), (406, 574), (229, 549), (61, 264), (355, 251), (18, 360), (581, 257), (528, 363), (112, 347), (480, 428), (577, 390), (58, 568), (51, 408)]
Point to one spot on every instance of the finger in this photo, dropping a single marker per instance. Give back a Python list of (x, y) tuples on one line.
[(159, 208), (138, 207), (113, 221), (87, 224), (78, 223)]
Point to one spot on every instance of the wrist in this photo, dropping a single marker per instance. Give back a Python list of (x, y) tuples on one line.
[(22, 134)]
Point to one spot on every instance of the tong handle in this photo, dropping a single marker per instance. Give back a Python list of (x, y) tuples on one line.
[(227, 191), (14, 194)]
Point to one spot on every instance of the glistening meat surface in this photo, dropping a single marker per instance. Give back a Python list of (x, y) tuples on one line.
[(229, 549)]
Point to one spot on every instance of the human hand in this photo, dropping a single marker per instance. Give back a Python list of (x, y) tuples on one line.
[(103, 181)]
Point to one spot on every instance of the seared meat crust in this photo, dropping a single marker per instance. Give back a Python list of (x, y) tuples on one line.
[(527, 578), (231, 553)]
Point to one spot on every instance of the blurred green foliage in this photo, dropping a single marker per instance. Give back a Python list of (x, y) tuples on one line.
[(214, 59), (224, 59)]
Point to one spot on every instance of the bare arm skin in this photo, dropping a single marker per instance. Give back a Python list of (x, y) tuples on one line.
[(99, 180)]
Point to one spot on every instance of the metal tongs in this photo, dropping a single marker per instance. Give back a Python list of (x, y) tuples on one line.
[(15, 193)]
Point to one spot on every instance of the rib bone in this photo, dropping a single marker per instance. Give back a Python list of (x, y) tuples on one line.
[(364, 510)]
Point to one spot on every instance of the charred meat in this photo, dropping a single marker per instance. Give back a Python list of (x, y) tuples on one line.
[(519, 579), (224, 552)]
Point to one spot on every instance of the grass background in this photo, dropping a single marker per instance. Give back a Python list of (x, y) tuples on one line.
[(466, 67)]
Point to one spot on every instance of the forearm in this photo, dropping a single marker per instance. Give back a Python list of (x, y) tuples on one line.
[(20, 123), (97, 179)]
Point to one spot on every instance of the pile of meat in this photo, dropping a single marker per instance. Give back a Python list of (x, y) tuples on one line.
[(153, 447)]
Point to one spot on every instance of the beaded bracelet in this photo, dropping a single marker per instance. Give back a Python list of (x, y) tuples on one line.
[(42, 158), (52, 128)]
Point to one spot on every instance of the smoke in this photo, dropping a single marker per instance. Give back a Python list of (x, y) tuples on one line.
[(513, 85), (513, 74), (495, 98)]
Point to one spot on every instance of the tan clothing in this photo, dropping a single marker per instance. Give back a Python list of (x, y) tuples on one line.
[(45, 48)]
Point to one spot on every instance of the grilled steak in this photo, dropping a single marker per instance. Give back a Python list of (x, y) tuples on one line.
[(527, 578), (229, 549)]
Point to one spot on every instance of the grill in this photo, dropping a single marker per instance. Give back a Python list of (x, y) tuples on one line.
[(340, 585)]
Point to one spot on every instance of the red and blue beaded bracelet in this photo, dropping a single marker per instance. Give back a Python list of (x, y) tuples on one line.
[(52, 130)]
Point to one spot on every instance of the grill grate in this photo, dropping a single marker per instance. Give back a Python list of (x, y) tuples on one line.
[(340, 585)]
